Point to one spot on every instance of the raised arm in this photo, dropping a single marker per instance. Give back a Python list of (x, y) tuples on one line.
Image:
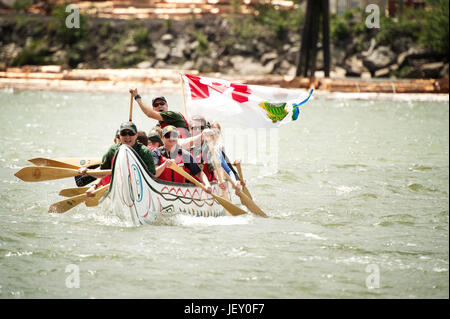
[(188, 142), (148, 110)]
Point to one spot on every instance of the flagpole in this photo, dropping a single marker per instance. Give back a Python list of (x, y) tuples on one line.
[(184, 97)]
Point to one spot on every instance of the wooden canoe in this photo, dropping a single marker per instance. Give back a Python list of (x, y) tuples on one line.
[(138, 197)]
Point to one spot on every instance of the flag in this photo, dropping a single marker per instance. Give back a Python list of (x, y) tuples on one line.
[(249, 105)]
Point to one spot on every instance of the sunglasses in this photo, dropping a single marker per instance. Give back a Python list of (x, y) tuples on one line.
[(159, 104), (167, 135), (198, 127), (127, 133)]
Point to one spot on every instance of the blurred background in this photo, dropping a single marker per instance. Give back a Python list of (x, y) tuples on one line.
[(404, 39)]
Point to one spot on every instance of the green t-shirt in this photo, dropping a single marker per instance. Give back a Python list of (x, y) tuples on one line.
[(173, 118), (143, 151)]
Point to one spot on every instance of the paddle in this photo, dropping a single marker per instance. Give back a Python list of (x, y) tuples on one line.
[(251, 205), (216, 166), (81, 161), (45, 173), (69, 203), (244, 188), (66, 162), (69, 192), (230, 207), (131, 107), (93, 201), (39, 161), (73, 163)]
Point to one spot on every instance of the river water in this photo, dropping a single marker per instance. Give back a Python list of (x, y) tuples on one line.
[(357, 205)]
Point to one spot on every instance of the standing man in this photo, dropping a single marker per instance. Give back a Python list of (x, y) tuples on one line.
[(160, 112)]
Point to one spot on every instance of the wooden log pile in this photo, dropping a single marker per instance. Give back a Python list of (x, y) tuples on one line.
[(375, 86), (162, 9), (53, 77)]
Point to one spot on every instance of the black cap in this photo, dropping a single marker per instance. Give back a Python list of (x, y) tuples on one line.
[(170, 129), (159, 98), (128, 126), (154, 137)]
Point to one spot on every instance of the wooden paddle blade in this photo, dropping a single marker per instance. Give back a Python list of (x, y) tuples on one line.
[(230, 207), (251, 205), (80, 161), (91, 202), (66, 204), (70, 192), (245, 200), (43, 173), (46, 173), (69, 203), (40, 161), (94, 201)]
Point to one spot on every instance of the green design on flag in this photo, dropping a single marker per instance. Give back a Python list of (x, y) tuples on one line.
[(275, 111)]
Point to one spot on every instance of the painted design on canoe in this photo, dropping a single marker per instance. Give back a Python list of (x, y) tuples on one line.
[(187, 198), (138, 196)]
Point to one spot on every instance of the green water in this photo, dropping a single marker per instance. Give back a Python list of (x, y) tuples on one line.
[(358, 208)]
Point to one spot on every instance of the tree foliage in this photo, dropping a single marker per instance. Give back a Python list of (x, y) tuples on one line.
[(434, 35)]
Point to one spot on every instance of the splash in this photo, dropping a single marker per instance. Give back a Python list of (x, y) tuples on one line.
[(186, 220)]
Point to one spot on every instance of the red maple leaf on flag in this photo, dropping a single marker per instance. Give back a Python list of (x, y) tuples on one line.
[(200, 90), (240, 92)]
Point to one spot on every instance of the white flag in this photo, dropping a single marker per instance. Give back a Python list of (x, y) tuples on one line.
[(250, 105)]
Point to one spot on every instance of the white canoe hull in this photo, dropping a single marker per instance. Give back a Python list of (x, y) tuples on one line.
[(139, 197)]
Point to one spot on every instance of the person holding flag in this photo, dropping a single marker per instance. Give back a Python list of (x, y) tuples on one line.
[(160, 112)]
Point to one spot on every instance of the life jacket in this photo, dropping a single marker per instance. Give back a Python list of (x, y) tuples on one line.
[(107, 179), (182, 132), (169, 174), (206, 167)]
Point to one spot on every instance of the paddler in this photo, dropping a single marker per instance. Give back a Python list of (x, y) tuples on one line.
[(154, 141), (218, 130), (172, 153), (200, 150), (160, 112), (127, 136)]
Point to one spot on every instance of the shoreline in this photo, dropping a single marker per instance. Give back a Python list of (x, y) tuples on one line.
[(54, 78)]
